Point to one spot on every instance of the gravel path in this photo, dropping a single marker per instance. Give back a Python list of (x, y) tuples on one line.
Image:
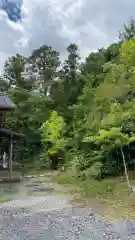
[(52, 217)]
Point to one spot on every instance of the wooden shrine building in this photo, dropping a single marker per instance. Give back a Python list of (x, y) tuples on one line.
[(6, 156)]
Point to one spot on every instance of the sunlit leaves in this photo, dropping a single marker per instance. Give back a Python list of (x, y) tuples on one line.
[(52, 132), (127, 52)]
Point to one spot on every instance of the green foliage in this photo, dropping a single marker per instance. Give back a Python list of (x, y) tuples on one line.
[(106, 189), (94, 171), (44, 62), (128, 31), (110, 138), (82, 112), (128, 52), (52, 132), (78, 161)]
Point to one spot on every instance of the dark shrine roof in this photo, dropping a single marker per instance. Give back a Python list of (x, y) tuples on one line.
[(5, 102), (9, 134)]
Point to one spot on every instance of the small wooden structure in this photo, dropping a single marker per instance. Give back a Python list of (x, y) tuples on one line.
[(6, 173)]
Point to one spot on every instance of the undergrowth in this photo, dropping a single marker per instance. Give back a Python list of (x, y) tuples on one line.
[(111, 196)]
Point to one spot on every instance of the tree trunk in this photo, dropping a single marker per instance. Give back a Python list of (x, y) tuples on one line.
[(118, 159), (10, 158), (129, 152), (125, 168)]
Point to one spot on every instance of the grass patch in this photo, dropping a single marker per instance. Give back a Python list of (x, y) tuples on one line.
[(111, 197), (108, 188), (5, 200)]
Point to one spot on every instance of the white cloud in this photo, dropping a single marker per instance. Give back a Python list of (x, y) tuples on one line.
[(3, 58), (91, 24)]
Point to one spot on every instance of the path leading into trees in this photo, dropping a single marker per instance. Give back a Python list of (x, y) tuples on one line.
[(51, 216)]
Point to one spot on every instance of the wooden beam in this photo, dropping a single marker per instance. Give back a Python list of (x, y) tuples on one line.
[(10, 157), (6, 133)]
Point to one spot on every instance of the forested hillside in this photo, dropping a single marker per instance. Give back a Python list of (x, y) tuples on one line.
[(77, 113)]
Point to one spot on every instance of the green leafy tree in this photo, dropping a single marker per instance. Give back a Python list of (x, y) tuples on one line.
[(128, 31), (128, 51), (111, 54), (53, 134), (15, 72), (44, 63), (74, 100), (71, 83), (4, 85), (110, 139), (92, 68)]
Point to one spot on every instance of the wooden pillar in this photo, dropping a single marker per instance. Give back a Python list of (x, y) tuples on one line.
[(10, 157)]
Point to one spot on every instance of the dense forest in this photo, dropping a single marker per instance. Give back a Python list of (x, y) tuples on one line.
[(80, 114)]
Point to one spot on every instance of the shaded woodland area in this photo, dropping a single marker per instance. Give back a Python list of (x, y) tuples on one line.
[(74, 113)]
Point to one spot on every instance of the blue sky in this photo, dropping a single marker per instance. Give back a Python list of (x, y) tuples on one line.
[(12, 8), (90, 23)]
